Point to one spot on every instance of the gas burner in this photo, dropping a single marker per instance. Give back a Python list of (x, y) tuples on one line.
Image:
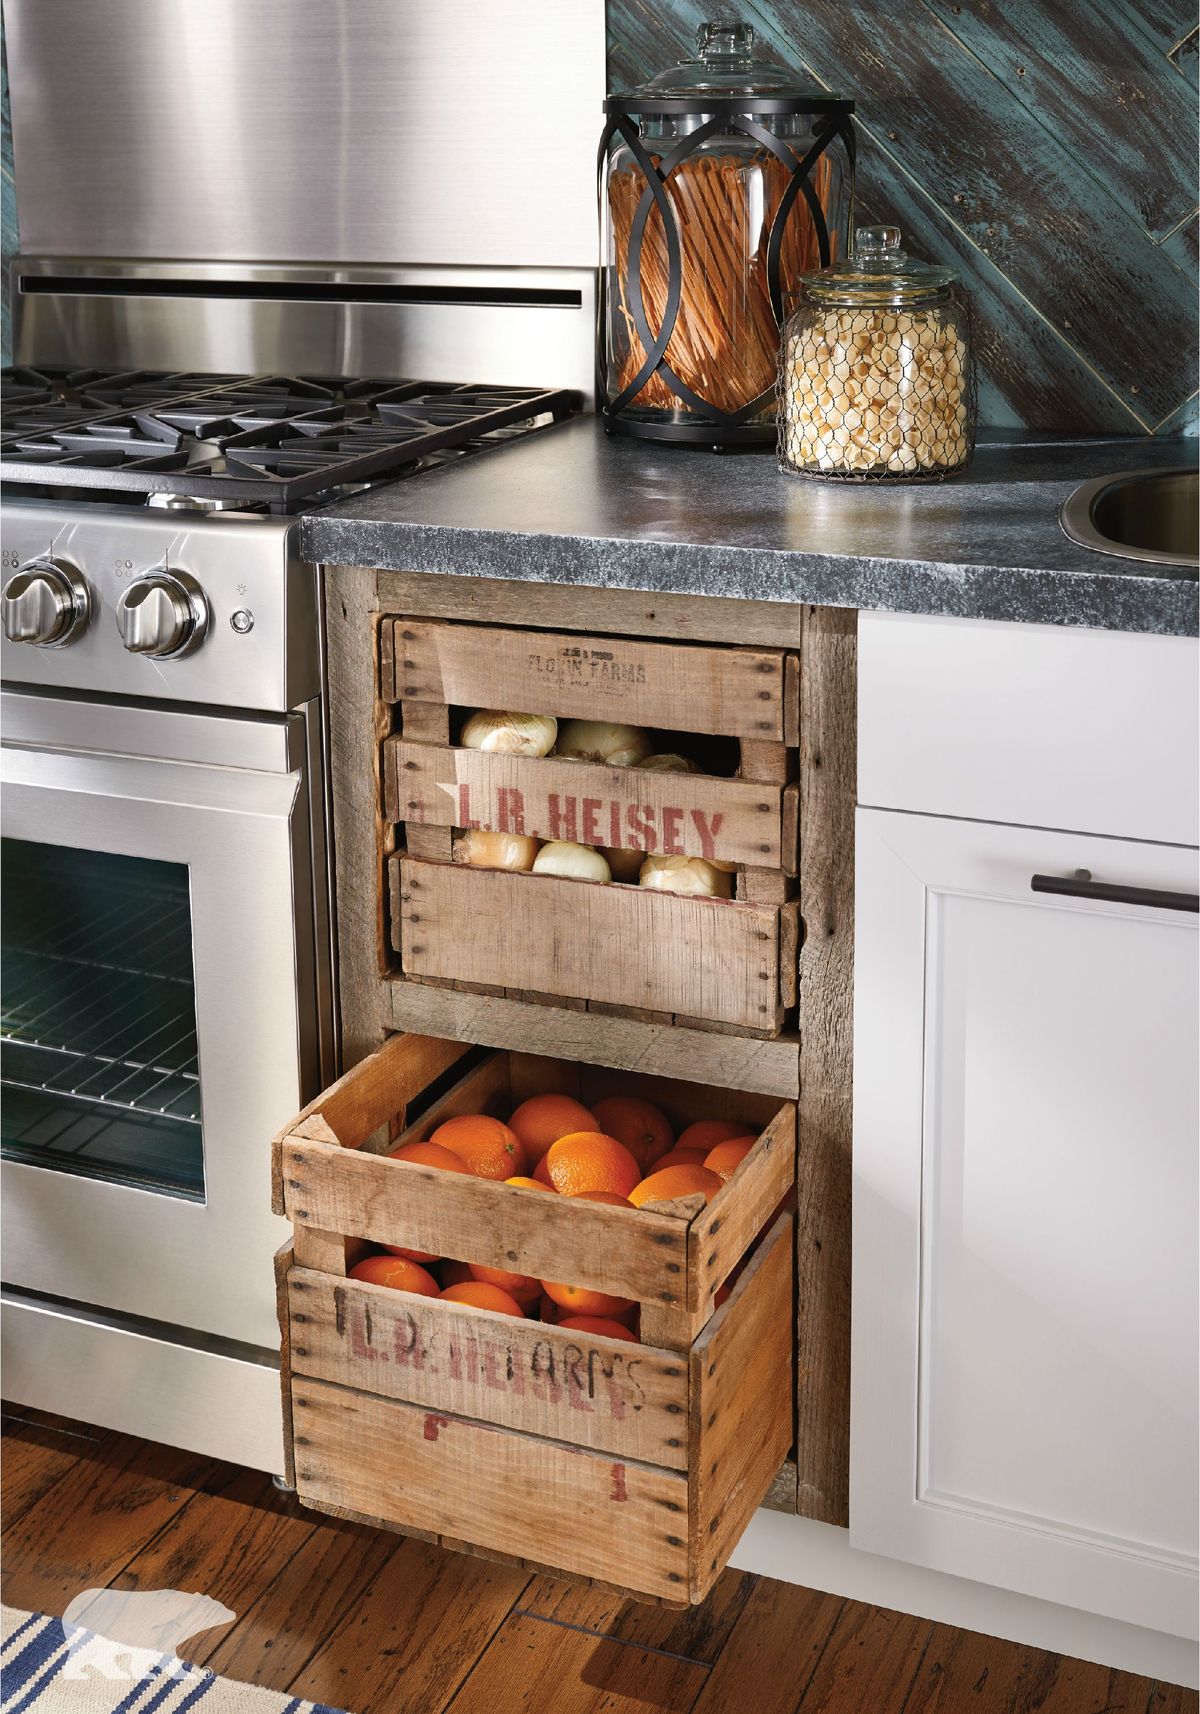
[(212, 442)]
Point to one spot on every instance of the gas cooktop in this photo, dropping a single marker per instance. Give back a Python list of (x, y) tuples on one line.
[(270, 441)]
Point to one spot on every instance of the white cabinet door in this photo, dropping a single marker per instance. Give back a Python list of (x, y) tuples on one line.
[(1024, 1406)]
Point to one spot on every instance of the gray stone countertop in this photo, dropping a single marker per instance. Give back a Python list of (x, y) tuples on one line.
[(573, 505)]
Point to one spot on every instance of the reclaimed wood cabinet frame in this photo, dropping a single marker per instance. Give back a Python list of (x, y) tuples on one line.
[(816, 1068)]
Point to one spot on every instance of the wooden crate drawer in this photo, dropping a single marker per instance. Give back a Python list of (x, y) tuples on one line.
[(634, 1464), (640, 1467), (712, 959)]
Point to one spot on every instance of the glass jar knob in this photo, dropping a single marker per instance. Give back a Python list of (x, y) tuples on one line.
[(876, 241), (725, 38)]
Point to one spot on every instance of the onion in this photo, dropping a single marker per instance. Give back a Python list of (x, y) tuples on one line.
[(495, 850), (602, 741), (685, 875), (625, 865), (669, 763), (509, 734), (572, 862)]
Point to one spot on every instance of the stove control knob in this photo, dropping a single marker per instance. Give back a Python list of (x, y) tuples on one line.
[(45, 603), (162, 615)]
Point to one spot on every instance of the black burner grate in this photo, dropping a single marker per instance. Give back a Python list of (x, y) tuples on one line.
[(272, 438)]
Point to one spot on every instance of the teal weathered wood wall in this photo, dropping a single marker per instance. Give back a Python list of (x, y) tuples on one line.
[(1047, 148)]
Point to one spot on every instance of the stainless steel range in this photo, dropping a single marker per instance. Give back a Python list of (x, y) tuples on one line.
[(167, 965), (180, 402)]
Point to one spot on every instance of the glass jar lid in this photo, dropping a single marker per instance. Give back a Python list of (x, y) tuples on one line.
[(877, 272), (726, 65)]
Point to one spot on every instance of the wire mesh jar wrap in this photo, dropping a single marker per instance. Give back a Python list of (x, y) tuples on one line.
[(725, 180), (876, 374)]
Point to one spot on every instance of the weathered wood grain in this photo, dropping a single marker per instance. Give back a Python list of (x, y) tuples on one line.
[(584, 1512), (1080, 79), (434, 786), (575, 674), (741, 1363), (828, 788), (696, 1055), (529, 1375), (710, 958)]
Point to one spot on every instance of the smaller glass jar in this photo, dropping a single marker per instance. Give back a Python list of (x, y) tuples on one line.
[(877, 379)]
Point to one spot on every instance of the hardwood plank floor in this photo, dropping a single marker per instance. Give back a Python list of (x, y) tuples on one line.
[(376, 1624)]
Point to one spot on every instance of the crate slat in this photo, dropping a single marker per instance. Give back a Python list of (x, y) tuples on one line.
[(708, 958), (691, 815), (741, 1364), (584, 1512), (604, 1394), (633, 1253), (688, 687)]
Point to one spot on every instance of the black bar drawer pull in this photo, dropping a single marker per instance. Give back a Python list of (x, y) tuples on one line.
[(1081, 886)]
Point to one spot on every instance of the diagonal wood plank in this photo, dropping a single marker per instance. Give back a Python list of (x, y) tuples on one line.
[(870, 1662), (1082, 81)]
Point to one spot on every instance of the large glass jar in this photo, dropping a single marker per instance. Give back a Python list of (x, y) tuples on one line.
[(726, 178), (877, 381)]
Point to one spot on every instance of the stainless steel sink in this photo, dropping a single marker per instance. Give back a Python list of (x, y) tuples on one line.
[(1149, 515)]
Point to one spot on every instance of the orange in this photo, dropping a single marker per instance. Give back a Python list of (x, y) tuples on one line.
[(428, 1154), (547, 1309), (679, 1157), (602, 1196), (588, 1160), (397, 1272), (454, 1273), (578, 1300), (639, 1125), (705, 1134), (601, 1325), (671, 1181), (481, 1296), (543, 1119), (528, 1184), (726, 1158), (526, 1291), (541, 1175), (485, 1146)]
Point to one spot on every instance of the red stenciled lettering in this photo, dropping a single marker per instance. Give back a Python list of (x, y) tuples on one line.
[(670, 831), (591, 824), (639, 818), (510, 809), (407, 1344), (563, 820), (465, 818), (491, 1373), (614, 822), (434, 1423), (708, 831), (617, 1492), (360, 1342)]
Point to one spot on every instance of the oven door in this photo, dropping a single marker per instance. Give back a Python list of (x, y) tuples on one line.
[(159, 1002)]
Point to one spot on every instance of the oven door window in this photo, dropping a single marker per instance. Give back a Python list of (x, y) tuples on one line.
[(100, 1076)]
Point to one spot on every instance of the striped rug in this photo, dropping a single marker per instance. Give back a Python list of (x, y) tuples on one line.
[(50, 1667)]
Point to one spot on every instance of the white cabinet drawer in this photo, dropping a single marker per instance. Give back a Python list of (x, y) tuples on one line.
[(1093, 731)]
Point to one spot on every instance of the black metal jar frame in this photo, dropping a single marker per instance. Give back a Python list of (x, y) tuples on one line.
[(715, 427)]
